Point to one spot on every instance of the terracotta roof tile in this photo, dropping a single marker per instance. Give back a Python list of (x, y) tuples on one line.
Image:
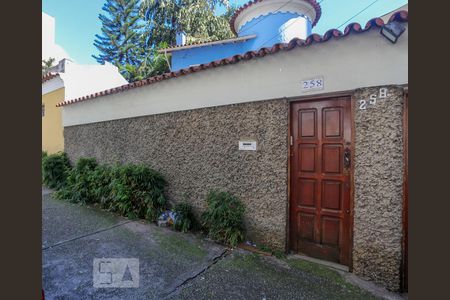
[(208, 43), (48, 76), (353, 28)]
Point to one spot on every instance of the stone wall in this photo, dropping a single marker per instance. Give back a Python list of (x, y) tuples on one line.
[(378, 182), (197, 150)]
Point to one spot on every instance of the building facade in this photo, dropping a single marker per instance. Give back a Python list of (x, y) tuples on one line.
[(65, 81), (308, 134), (50, 49), (257, 24), (52, 129)]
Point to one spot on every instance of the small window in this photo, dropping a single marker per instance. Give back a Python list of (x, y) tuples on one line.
[(43, 110)]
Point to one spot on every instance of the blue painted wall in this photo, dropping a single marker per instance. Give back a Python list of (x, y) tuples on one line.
[(270, 29), (184, 58)]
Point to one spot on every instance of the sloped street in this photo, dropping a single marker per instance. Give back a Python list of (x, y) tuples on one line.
[(172, 265)]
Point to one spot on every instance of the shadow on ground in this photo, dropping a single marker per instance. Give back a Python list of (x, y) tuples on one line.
[(173, 265), (245, 275)]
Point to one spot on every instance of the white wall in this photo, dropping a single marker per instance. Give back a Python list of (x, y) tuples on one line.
[(52, 85), (359, 60), (48, 29), (49, 47), (267, 7), (82, 80)]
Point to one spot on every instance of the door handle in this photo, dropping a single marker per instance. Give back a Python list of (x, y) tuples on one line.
[(347, 158)]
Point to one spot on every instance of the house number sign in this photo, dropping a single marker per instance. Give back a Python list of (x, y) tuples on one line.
[(312, 84), (365, 103)]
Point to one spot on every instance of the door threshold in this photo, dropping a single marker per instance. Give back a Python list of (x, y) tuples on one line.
[(321, 262)]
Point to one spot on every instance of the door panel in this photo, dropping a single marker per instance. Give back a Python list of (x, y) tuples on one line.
[(307, 192), (331, 194), (308, 157), (320, 179)]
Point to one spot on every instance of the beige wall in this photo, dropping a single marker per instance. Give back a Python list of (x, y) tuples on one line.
[(52, 130), (355, 61)]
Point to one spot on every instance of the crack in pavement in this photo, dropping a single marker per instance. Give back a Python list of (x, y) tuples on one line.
[(215, 260), (85, 235)]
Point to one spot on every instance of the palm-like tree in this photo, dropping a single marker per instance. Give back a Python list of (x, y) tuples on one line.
[(47, 64)]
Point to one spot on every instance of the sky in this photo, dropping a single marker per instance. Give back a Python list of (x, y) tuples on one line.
[(77, 20)]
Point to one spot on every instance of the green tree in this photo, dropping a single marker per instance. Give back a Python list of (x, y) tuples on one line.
[(133, 31), (196, 18), (152, 64), (123, 37), (47, 64)]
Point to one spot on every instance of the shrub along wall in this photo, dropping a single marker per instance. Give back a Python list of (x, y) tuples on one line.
[(137, 191), (134, 191), (54, 169), (197, 151)]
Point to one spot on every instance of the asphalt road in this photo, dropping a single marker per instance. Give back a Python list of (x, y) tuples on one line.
[(172, 265)]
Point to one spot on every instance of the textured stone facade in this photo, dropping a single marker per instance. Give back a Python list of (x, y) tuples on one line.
[(378, 180), (197, 150)]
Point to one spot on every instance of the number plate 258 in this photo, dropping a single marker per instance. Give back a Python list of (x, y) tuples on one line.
[(312, 84)]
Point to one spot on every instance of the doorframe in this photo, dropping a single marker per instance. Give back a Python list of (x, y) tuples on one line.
[(316, 98)]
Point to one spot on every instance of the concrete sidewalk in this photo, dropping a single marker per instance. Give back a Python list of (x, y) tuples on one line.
[(173, 265)]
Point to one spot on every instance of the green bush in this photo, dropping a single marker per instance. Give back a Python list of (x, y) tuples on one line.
[(55, 168), (185, 219), (134, 191), (44, 155), (79, 181), (100, 182), (223, 218), (137, 192)]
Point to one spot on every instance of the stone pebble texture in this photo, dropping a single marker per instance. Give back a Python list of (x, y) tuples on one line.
[(197, 151), (378, 186)]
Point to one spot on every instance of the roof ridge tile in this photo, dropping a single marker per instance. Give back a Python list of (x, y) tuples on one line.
[(401, 16)]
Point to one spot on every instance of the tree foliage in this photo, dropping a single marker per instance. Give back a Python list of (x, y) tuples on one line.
[(47, 64), (196, 18), (153, 63), (133, 31), (123, 37)]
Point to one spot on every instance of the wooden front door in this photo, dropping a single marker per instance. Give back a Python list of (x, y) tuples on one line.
[(320, 188)]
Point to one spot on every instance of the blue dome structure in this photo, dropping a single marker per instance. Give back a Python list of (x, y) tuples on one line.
[(257, 24)]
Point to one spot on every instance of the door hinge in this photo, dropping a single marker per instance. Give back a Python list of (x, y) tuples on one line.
[(291, 140)]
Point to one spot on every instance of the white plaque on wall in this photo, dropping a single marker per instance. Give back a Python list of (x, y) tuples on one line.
[(247, 145), (316, 83)]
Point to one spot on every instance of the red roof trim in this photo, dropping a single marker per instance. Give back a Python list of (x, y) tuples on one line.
[(49, 76), (207, 43), (314, 3), (353, 28)]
